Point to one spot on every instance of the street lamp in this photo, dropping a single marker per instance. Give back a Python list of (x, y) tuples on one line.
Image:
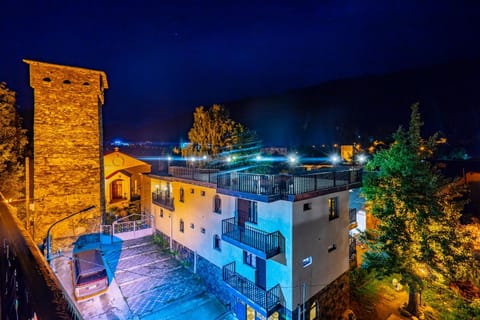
[(50, 228)]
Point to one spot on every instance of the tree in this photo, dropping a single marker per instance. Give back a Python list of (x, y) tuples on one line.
[(13, 140), (213, 132), (418, 233)]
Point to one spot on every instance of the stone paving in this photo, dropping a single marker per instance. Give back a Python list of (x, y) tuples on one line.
[(153, 282), (144, 283)]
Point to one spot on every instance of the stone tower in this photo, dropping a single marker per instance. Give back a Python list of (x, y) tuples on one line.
[(68, 156)]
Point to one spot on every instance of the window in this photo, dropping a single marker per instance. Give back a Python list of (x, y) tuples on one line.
[(161, 213), (202, 193), (332, 247), (182, 225), (182, 195), (307, 206), (249, 259), (307, 261), (192, 191), (216, 242), (333, 208), (192, 226), (217, 204), (252, 212), (202, 230), (313, 310)]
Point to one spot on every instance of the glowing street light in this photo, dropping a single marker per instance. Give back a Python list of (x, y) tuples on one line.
[(292, 159), (335, 159), (361, 159)]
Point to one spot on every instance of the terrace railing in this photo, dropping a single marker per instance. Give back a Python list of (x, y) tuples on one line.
[(269, 300), (269, 244), (198, 174), (282, 185)]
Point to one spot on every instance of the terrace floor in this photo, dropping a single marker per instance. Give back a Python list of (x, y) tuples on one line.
[(145, 283)]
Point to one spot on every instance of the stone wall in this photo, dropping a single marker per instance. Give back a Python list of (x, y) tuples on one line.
[(68, 156), (331, 301)]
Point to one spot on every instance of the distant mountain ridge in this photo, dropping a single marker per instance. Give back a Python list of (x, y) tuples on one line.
[(356, 109)]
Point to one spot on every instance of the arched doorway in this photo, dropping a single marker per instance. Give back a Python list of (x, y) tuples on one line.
[(116, 190)]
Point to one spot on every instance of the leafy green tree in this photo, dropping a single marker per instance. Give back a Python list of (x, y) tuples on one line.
[(213, 132), (418, 233), (13, 140)]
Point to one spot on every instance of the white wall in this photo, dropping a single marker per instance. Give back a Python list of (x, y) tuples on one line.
[(313, 233)]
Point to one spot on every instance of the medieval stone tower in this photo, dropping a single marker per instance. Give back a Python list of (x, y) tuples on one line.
[(68, 156)]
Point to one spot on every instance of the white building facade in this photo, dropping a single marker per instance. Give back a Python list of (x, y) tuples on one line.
[(269, 246)]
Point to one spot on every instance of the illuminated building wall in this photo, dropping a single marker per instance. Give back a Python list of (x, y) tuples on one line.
[(68, 158)]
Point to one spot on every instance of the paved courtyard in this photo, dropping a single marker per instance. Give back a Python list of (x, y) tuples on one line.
[(146, 283)]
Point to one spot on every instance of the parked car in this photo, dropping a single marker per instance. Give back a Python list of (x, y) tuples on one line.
[(89, 274)]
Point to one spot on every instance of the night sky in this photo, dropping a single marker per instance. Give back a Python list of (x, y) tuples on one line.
[(164, 58)]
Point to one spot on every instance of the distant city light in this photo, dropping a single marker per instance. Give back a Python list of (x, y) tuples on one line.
[(193, 159), (229, 159), (204, 157), (258, 158), (169, 158), (292, 159)]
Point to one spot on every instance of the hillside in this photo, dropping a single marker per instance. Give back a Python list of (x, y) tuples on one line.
[(374, 106)]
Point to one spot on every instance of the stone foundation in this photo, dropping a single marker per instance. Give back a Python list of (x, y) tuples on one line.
[(331, 301)]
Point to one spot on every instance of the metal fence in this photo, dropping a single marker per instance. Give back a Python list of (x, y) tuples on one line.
[(29, 288), (267, 299)]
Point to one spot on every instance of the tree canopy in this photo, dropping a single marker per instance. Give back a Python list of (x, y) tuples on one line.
[(418, 233), (214, 132), (13, 140)]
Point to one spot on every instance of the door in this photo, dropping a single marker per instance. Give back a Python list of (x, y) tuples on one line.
[(117, 190), (240, 310), (261, 273), (243, 208)]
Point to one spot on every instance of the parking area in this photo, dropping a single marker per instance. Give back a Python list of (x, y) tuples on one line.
[(145, 283)]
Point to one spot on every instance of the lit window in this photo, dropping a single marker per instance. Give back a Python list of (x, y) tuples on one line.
[(249, 259), (217, 204), (216, 242), (182, 225), (333, 208), (313, 310), (307, 206), (307, 261), (332, 247), (182, 195)]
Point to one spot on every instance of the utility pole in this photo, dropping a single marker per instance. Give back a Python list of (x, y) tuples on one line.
[(49, 256), (27, 193), (304, 297)]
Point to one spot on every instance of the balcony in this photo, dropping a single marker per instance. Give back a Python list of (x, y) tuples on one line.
[(260, 243), (275, 187), (163, 200), (353, 218), (267, 301)]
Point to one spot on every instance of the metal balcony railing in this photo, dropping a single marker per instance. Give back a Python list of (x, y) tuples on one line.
[(283, 185), (270, 244), (276, 186), (28, 285), (163, 199), (269, 300)]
